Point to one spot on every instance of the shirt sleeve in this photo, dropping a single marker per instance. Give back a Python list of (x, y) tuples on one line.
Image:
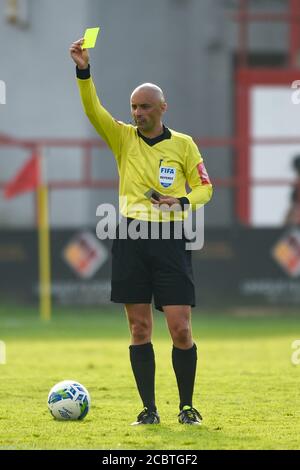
[(197, 177), (107, 127)]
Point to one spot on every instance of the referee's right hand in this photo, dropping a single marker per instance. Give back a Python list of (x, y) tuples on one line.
[(79, 55)]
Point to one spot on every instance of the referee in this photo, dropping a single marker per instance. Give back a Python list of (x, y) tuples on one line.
[(154, 165)]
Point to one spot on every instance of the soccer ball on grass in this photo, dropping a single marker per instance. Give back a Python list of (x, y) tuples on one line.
[(69, 400)]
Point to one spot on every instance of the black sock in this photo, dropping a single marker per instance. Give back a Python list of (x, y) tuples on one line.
[(143, 366), (184, 364)]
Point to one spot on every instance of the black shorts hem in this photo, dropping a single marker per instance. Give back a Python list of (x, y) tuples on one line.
[(131, 300), (160, 307), (135, 300)]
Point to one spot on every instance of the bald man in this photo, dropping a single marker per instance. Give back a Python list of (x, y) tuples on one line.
[(154, 165)]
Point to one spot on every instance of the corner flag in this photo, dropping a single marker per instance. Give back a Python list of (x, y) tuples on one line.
[(32, 177), (27, 179)]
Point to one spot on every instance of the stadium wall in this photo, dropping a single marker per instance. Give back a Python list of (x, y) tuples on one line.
[(242, 267)]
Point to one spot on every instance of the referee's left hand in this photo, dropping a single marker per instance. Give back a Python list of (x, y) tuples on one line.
[(165, 202)]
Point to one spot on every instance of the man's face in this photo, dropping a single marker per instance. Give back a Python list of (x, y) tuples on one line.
[(147, 109)]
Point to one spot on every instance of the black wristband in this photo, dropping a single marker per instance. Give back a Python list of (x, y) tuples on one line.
[(184, 203), (83, 74)]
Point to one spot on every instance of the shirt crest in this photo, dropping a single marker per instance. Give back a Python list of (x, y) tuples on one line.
[(166, 176)]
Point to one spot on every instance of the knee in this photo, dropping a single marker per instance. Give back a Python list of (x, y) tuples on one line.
[(140, 331), (181, 335)]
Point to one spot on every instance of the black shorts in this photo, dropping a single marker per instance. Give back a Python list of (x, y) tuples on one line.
[(146, 268)]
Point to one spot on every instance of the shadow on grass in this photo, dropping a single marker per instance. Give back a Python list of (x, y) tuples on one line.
[(179, 437)]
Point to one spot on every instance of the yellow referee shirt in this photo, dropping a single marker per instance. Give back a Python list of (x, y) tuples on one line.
[(165, 167)]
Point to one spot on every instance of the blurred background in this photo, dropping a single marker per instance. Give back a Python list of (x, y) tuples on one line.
[(230, 72)]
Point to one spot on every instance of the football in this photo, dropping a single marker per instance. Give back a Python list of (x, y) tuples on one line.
[(69, 400)]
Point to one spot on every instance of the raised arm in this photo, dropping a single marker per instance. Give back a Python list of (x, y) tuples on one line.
[(107, 127)]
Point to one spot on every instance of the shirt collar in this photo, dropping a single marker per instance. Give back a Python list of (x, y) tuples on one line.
[(152, 141)]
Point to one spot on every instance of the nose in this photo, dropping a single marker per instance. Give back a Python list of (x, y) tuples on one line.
[(139, 117)]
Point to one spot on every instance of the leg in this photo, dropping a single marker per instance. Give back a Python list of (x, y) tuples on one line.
[(141, 352), (179, 323), (140, 322), (132, 286), (184, 353), (174, 293)]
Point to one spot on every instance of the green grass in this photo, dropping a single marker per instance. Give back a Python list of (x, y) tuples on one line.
[(247, 388)]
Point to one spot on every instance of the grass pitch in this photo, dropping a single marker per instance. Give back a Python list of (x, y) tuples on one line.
[(246, 388)]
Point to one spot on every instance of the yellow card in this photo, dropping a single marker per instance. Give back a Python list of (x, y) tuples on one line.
[(90, 38)]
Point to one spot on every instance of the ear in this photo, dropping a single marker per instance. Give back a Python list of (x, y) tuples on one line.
[(164, 107)]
